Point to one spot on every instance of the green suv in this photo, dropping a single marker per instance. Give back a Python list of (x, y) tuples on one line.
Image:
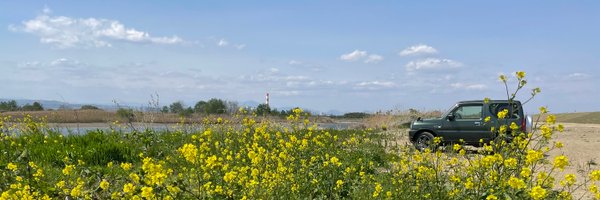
[(465, 122)]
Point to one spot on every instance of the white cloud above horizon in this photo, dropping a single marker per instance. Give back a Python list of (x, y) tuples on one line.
[(468, 86), (68, 32), (420, 49), (432, 64), (357, 55)]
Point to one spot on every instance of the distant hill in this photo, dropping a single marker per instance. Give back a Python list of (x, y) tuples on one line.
[(578, 117)]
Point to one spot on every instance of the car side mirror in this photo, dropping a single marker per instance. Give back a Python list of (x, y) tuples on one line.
[(450, 117)]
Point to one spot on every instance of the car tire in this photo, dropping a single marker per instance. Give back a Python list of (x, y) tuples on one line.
[(424, 140)]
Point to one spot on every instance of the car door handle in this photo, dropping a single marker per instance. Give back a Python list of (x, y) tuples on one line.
[(477, 123)]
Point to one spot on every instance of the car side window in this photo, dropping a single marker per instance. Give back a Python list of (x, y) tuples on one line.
[(497, 107), (468, 112)]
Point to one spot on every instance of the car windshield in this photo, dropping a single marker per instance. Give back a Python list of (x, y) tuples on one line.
[(448, 111)]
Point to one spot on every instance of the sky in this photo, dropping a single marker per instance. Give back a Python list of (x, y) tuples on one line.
[(344, 56)]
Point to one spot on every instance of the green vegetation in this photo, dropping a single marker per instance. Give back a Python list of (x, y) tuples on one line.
[(263, 109), (12, 106), (33, 107), (89, 107)]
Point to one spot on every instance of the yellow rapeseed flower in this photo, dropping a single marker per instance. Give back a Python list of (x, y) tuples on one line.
[(491, 197), (76, 192), (595, 175), (520, 74), (502, 77), (126, 166), (560, 128), (510, 163), (229, 176), (487, 119), (60, 184), (68, 169), (525, 172), (378, 190), (514, 126), (551, 119), (134, 177), (456, 147), (516, 183), (104, 184), (561, 162), (335, 161), (558, 144), (533, 156), (543, 110), (128, 188), (502, 114), (338, 184), (486, 100), (538, 192), (11, 166), (570, 179), (147, 192), (189, 152), (469, 184)]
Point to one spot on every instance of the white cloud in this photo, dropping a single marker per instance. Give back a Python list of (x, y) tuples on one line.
[(223, 43), (432, 63), (468, 86), (353, 56), (287, 93), (294, 62), (361, 55), (418, 50), (376, 83), (577, 76), (240, 46), (67, 32), (374, 58)]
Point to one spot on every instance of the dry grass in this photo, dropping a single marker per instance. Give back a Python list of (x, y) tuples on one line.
[(578, 117), (397, 119)]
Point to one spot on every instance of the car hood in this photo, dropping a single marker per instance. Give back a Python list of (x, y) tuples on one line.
[(427, 121)]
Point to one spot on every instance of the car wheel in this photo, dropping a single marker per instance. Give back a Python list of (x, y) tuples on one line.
[(423, 141)]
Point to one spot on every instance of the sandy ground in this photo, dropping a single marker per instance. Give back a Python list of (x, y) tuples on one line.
[(581, 146)]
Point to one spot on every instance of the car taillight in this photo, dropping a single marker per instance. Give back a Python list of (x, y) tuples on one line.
[(523, 125)]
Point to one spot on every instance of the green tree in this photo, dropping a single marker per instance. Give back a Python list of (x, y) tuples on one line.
[(9, 106), (200, 107), (164, 109), (263, 109), (89, 107), (187, 112), (176, 107), (215, 106), (36, 106)]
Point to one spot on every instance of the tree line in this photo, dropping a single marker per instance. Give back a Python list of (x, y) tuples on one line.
[(219, 106), (13, 106)]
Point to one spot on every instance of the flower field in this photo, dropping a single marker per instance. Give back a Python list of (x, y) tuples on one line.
[(245, 159)]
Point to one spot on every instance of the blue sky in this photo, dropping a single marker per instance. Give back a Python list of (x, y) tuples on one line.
[(331, 55)]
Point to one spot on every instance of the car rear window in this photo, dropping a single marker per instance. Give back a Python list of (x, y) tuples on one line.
[(512, 110)]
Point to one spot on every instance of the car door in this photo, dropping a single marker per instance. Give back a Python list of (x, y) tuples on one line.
[(465, 122)]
